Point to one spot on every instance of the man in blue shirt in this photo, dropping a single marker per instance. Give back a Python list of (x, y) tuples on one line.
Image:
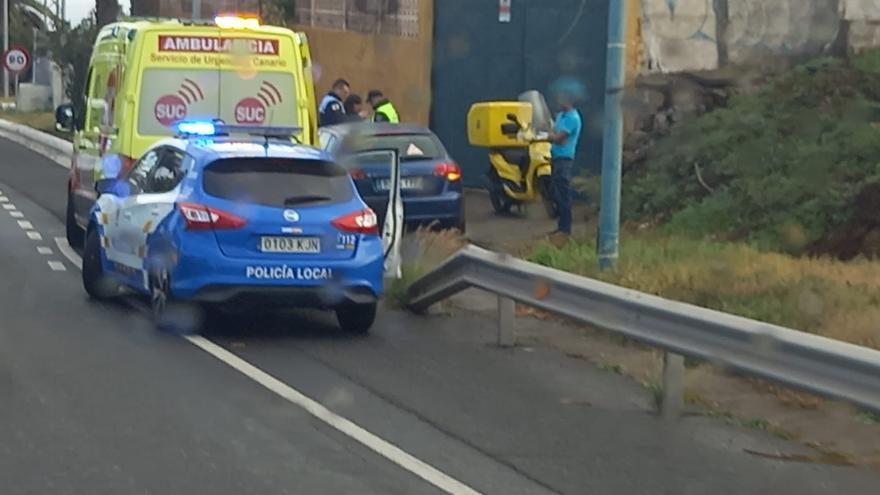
[(565, 136)]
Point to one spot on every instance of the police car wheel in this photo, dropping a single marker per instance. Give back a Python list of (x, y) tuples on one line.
[(356, 318), (75, 235), (159, 295), (96, 284), (170, 315)]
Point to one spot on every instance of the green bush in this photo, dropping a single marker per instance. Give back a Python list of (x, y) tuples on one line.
[(780, 167)]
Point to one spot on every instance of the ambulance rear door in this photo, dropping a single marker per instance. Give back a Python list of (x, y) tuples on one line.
[(179, 80), (258, 80)]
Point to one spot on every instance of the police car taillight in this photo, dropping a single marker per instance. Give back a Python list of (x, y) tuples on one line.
[(200, 217), (360, 222)]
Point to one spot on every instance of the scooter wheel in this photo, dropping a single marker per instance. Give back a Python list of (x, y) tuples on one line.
[(499, 202)]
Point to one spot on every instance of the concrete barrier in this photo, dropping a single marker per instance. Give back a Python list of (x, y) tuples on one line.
[(52, 147)]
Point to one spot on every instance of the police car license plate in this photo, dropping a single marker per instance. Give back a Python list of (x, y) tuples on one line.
[(297, 245), (405, 183)]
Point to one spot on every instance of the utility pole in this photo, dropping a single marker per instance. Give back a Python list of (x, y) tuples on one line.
[(612, 143), (34, 59), (5, 46), (196, 9)]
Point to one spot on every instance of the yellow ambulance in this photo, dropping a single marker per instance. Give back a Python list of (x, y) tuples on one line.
[(147, 75)]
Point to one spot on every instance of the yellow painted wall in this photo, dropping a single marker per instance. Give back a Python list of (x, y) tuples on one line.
[(634, 42), (399, 66)]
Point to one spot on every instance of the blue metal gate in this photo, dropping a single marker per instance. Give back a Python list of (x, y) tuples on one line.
[(477, 58)]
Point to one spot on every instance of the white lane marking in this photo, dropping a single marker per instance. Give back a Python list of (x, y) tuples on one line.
[(4, 199), (34, 235), (25, 225), (68, 252), (378, 445), (9, 206), (57, 266), (44, 250), (387, 450), (16, 214)]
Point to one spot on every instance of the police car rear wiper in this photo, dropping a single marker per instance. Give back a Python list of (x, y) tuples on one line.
[(296, 200)]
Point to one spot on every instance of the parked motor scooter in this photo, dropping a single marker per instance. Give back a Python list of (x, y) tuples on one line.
[(516, 134)]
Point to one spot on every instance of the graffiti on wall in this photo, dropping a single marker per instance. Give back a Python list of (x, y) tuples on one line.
[(690, 34), (390, 17)]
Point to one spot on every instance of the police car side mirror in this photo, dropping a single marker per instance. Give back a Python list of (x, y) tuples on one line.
[(65, 118)]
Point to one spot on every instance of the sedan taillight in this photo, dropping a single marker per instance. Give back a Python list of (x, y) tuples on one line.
[(450, 170)]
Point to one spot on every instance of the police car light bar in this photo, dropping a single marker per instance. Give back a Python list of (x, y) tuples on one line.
[(197, 128), (283, 132), (208, 128)]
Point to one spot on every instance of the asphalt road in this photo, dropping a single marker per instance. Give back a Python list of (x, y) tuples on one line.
[(93, 400)]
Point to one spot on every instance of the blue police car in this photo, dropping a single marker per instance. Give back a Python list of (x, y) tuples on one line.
[(227, 217)]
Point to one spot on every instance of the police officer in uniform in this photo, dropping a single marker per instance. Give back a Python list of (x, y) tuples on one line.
[(383, 110), (331, 109)]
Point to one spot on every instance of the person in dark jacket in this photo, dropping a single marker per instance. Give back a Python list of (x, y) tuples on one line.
[(331, 110), (383, 110), (354, 109)]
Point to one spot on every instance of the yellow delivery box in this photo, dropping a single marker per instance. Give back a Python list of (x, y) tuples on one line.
[(490, 127)]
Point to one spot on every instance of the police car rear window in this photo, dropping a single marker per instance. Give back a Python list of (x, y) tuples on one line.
[(278, 182)]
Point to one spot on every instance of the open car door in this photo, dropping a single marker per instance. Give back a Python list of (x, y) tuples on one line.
[(390, 204)]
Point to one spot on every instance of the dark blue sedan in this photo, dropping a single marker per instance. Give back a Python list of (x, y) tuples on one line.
[(430, 180)]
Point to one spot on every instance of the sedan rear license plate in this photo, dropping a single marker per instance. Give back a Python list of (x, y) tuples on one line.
[(405, 183), (295, 245)]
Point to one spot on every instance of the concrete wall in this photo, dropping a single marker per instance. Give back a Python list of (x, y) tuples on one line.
[(687, 35), (863, 18), (373, 49)]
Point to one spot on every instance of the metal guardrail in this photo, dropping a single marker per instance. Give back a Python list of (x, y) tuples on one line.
[(800, 360)]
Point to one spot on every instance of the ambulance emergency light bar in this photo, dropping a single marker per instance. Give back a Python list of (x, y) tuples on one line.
[(236, 22), (209, 128)]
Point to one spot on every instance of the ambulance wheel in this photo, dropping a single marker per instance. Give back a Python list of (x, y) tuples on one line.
[(95, 282), (75, 235), (356, 318)]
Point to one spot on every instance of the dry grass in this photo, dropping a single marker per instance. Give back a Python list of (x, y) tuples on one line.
[(821, 296), (422, 251)]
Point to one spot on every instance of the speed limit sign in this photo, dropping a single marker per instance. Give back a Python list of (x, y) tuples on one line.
[(16, 60)]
